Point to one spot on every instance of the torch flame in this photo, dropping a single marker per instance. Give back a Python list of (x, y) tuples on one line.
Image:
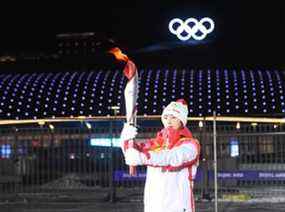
[(118, 54)]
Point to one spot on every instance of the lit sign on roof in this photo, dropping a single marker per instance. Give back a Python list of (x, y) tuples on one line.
[(191, 28)]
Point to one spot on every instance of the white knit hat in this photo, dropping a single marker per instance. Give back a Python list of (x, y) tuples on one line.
[(178, 109)]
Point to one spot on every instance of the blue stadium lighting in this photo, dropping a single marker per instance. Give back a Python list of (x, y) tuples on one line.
[(189, 88)]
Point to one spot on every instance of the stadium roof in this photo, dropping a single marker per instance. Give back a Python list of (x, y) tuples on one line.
[(91, 93)]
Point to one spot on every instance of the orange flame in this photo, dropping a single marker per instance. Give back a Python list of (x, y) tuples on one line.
[(118, 54)]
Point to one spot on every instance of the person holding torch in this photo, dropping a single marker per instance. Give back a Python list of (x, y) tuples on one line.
[(172, 157)]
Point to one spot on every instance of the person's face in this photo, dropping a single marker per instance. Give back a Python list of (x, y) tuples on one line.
[(172, 121)]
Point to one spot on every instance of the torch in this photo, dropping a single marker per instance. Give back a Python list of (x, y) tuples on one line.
[(130, 92)]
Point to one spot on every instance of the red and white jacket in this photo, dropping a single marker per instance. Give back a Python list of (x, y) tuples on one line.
[(172, 159)]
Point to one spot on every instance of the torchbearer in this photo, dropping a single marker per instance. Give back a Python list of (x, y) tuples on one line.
[(172, 158)]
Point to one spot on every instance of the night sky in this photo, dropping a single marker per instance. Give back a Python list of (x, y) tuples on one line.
[(245, 30)]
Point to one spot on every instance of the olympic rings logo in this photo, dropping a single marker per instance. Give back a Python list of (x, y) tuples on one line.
[(184, 30)]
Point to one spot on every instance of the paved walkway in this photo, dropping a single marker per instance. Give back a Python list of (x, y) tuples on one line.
[(130, 207), (99, 201)]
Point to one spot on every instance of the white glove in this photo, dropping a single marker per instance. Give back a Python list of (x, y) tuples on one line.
[(134, 158), (129, 132)]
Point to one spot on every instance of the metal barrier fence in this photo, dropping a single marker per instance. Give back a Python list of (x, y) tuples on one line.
[(250, 160), (68, 159)]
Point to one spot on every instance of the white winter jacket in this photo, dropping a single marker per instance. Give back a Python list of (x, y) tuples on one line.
[(171, 168)]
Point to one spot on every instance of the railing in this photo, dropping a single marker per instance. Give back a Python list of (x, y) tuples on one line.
[(41, 159)]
